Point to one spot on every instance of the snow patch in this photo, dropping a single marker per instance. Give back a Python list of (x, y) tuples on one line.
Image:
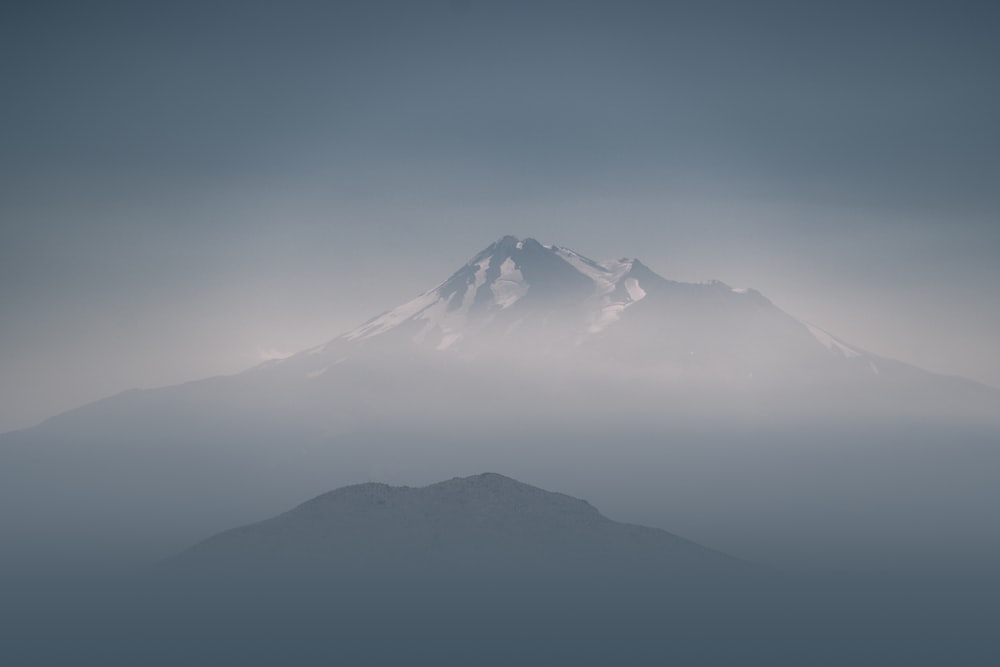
[(608, 315), (635, 292), (831, 343), (509, 287), (271, 354), (470, 294), (428, 306), (387, 321), (448, 340), (605, 275)]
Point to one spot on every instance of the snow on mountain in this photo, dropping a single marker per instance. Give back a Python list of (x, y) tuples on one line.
[(832, 344), (508, 273), (521, 297), (511, 273)]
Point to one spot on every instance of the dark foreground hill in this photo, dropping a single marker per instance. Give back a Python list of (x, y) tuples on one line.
[(480, 525), (418, 576)]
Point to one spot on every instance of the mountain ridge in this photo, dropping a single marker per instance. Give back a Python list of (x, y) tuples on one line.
[(682, 386), (517, 298), (486, 524)]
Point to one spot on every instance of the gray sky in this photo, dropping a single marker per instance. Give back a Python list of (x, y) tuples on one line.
[(189, 187)]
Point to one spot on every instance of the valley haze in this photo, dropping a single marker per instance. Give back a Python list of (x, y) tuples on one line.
[(699, 408), (799, 491)]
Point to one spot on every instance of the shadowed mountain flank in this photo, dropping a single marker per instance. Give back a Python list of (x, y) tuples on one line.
[(482, 524)]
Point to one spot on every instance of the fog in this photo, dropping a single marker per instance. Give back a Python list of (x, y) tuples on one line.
[(862, 502), (858, 478), (205, 207)]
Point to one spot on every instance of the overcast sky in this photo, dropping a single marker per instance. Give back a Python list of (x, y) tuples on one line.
[(187, 188)]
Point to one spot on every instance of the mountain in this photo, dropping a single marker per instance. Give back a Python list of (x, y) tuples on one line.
[(484, 524), (521, 299), (696, 406), (520, 306)]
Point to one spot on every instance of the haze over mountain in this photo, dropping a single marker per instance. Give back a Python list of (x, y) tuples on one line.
[(301, 206), (523, 301), (482, 525), (698, 407)]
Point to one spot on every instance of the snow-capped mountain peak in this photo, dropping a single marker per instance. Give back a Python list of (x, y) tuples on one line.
[(520, 299), (511, 277)]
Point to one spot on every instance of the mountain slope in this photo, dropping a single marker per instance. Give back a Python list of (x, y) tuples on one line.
[(521, 301), (688, 406), (482, 524)]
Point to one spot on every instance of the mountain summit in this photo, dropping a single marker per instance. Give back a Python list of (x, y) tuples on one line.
[(508, 281), (520, 299)]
